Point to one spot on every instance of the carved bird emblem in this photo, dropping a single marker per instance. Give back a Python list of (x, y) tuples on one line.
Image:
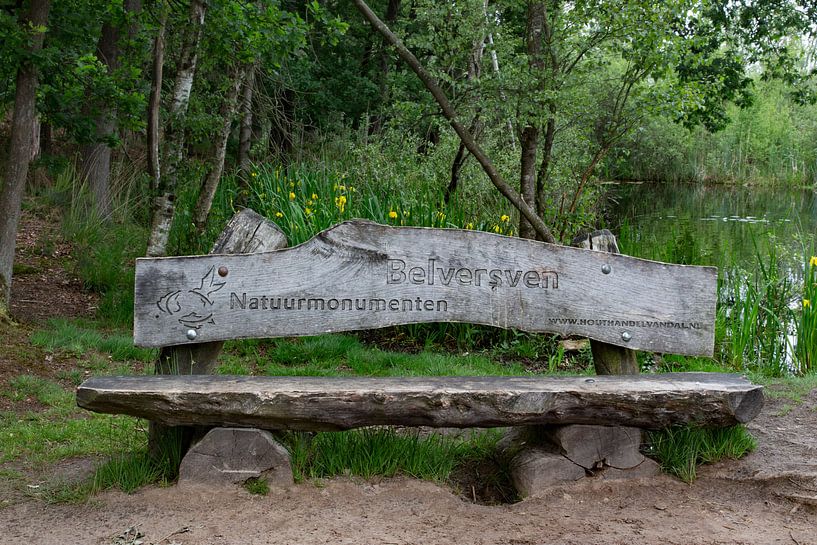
[(194, 301)]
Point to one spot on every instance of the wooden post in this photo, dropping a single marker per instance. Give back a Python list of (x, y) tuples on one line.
[(246, 233), (607, 358)]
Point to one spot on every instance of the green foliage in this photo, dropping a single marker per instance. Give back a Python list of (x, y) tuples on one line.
[(383, 452), (769, 141), (680, 450)]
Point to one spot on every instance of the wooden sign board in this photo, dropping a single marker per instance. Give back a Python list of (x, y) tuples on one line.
[(362, 275)]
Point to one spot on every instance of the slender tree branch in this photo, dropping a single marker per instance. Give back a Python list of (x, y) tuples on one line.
[(512, 195)]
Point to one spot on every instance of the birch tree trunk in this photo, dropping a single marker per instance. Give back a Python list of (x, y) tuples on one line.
[(210, 185), (155, 104), (21, 150), (164, 204)]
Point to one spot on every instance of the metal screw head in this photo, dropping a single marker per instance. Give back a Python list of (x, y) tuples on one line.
[(222, 271), (606, 269), (191, 334), (626, 336)]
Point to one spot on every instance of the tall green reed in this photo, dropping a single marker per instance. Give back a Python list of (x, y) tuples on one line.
[(806, 347), (304, 200)]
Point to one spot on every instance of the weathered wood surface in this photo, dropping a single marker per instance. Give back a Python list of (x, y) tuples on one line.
[(245, 233), (608, 359), (319, 403), (361, 275)]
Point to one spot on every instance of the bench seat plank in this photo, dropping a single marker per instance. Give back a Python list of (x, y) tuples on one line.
[(339, 403)]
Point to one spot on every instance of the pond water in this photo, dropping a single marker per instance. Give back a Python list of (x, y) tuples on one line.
[(725, 226), (760, 239)]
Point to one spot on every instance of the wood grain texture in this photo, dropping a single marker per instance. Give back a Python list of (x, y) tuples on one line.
[(608, 359), (361, 275), (246, 232), (338, 403)]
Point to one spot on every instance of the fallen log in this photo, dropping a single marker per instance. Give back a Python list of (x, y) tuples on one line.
[(339, 403)]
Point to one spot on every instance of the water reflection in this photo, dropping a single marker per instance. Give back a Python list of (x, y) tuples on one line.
[(759, 238), (724, 226)]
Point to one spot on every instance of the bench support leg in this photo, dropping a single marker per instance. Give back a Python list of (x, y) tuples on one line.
[(247, 232), (234, 455), (543, 456)]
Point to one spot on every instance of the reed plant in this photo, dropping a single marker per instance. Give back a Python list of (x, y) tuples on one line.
[(304, 201), (806, 347), (756, 321)]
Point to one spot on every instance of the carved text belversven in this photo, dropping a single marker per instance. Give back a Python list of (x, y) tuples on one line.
[(398, 272)]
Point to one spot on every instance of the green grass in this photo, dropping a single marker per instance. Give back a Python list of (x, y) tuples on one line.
[(792, 388), (80, 338), (44, 391), (105, 248), (680, 450), (344, 355), (259, 487), (46, 437), (384, 452)]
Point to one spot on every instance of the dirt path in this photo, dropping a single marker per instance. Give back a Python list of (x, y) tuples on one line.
[(769, 497)]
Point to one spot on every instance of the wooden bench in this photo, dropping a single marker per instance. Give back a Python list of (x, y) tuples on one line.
[(361, 275)]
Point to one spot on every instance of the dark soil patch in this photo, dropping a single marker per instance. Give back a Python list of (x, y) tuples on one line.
[(44, 287)]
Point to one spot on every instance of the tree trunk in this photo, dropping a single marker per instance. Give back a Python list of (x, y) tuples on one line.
[(164, 204), (210, 185), (21, 148), (529, 140), (527, 179), (155, 104), (95, 157), (245, 134), (544, 166)]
